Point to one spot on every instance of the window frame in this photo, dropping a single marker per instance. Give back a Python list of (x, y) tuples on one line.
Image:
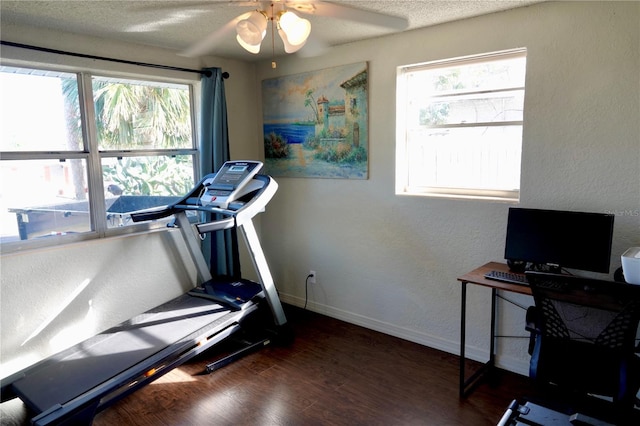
[(402, 176), (93, 156)]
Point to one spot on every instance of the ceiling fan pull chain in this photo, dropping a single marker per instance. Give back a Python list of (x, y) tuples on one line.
[(273, 41)]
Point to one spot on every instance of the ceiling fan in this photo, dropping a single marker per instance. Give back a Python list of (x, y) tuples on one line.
[(283, 18)]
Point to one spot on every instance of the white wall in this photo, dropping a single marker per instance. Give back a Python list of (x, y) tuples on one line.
[(390, 262), (112, 279), (383, 261), (52, 298)]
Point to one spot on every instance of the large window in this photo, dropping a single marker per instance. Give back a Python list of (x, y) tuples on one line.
[(80, 152), (459, 126)]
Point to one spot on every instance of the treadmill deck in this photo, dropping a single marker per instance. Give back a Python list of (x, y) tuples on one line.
[(145, 339)]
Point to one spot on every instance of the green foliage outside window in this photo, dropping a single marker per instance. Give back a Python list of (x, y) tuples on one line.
[(162, 176)]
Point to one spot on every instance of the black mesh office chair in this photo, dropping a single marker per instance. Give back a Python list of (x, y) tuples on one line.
[(583, 336)]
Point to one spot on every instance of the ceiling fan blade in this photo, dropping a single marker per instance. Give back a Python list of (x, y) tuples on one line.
[(208, 44), (187, 4), (334, 10)]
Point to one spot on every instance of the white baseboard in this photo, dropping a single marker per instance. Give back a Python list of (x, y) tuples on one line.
[(506, 363)]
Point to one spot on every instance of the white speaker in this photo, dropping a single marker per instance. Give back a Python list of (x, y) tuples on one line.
[(631, 265)]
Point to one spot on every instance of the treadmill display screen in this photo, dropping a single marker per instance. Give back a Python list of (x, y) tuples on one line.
[(230, 179)]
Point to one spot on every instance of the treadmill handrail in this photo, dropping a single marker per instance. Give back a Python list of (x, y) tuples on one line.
[(152, 214), (247, 211), (217, 225)]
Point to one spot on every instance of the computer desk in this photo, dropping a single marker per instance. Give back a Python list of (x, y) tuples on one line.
[(477, 277)]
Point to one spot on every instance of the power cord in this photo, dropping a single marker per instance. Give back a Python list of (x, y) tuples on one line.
[(306, 290)]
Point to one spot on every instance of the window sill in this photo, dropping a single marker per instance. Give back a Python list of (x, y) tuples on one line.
[(461, 196)]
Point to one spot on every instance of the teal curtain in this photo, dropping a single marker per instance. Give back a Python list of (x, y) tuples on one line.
[(219, 248)]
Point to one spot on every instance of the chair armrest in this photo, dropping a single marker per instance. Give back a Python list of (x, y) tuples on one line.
[(532, 319), (532, 325)]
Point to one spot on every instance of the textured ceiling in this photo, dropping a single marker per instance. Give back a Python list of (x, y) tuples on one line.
[(182, 24)]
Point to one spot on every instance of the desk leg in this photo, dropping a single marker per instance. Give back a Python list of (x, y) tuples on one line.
[(492, 344), (463, 322), (467, 385)]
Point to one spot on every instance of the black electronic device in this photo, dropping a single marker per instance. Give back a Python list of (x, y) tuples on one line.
[(556, 239)]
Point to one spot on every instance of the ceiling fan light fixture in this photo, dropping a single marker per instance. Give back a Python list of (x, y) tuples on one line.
[(251, 31), (297, 29), (288, 47), (251, 48)]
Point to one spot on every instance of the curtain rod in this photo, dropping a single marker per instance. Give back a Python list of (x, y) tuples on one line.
[(207, 73)]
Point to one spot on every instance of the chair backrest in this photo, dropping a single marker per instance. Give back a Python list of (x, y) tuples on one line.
[(588, 330), (594, 311)]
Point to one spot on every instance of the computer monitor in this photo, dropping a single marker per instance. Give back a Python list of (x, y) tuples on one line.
[(556, 239)]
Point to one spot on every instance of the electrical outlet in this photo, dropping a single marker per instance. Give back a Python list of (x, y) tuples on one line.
[(312, 277)]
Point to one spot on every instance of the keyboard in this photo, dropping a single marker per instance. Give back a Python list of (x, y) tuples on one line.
[(507, 277)]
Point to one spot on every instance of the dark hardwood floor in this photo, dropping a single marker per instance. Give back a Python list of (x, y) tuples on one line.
[(334, 373)]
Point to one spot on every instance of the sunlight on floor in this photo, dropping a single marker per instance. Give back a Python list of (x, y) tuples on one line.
[(175, 376)]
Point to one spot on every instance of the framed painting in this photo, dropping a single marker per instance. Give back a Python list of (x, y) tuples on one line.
[(315, 124)]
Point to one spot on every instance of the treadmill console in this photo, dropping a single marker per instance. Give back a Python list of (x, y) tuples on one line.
[(228, 184)]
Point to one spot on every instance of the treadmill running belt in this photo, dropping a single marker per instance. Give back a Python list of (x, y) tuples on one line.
[(88, 364)]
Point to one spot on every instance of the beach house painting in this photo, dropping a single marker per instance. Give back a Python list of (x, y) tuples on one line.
[(315, 124)]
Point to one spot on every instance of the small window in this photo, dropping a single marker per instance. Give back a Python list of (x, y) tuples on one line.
[(76, 169), (459, 127)]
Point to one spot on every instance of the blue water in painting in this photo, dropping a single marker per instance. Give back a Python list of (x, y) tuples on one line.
[(293, 133)]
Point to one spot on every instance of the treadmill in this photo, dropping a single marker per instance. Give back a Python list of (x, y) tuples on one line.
[(72, 386)]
